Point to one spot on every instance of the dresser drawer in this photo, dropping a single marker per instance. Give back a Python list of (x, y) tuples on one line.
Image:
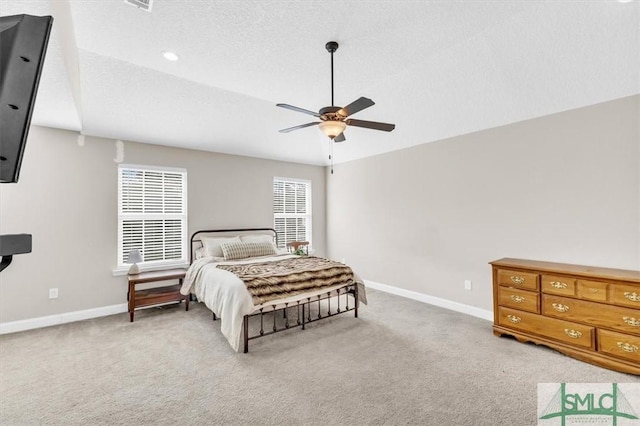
[(559, 285), (598, 314), (592, 290), (563, 331), (519, 299), (626, 295), (517, 279), (620, 345)]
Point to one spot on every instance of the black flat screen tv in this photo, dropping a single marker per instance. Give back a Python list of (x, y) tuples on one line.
[(23, 44)]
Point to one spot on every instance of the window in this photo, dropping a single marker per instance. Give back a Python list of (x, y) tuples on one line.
[(152, 215), (292, 210)]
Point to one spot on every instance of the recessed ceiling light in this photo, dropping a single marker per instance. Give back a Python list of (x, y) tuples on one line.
[(170, 56), (625, 1)]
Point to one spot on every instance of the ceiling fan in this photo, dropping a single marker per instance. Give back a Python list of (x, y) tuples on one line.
[(335, 119)]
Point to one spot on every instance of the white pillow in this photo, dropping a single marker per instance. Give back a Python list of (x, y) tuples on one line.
[(212, 245), (200, 253), (256, 238)]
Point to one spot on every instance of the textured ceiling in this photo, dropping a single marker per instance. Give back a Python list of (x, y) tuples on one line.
[(434, 68)]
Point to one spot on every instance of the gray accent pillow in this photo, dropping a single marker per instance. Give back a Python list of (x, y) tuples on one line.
[(240, 250)]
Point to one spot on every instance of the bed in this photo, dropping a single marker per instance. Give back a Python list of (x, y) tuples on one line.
[(257, 290)]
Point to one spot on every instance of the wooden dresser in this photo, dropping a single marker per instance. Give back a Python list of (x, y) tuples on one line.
[(589, 313)]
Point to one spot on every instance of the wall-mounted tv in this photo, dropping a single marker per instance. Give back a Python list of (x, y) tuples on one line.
[(23, 44)]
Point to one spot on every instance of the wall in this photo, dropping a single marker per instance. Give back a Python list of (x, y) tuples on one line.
[(563, 188), (67, 198)]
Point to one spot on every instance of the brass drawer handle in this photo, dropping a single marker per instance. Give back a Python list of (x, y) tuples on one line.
[(634, 297), (574, 334), (514, 319), (516, 279), (517, 299), (594, 290), (628, 347), (631, 321), (558, 284), (560, 307)]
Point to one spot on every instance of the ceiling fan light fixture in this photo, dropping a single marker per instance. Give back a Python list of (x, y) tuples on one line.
[(332, 128)]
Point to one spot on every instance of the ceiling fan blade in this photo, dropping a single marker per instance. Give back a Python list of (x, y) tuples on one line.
[(356, 106), (302, 126), (295, 108), (340, 138), (371, 125)]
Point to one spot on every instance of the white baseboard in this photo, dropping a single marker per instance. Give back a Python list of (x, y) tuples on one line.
[(432, 300), (29, 324)]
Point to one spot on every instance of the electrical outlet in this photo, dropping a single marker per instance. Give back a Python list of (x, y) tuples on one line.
[(53, 293), (343, 260), (467, 284)]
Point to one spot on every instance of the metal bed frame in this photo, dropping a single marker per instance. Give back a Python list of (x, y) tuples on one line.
[(304, 304)]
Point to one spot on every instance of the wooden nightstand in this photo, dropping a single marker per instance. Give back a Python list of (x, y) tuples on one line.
[(156, 295)]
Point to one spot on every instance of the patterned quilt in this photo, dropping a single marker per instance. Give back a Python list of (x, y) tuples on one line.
[(274, 280)]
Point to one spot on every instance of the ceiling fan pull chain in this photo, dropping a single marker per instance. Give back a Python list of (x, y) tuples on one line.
[(331, 153)]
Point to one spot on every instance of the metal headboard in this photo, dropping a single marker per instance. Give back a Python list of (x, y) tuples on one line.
[(197, 240)]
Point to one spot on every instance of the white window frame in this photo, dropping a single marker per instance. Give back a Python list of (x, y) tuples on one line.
[(308, 216), (122, 267)]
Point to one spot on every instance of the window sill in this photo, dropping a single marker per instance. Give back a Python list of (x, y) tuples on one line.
[(123, 270)]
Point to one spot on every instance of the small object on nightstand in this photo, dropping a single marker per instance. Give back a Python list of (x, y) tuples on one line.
[(156, 295), (134, 258), (301, 248)]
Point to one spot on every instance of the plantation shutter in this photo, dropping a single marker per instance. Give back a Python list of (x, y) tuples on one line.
[(152, 214), (292, 210)]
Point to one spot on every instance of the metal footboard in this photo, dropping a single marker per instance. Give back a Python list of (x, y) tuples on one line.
[(304, 312)]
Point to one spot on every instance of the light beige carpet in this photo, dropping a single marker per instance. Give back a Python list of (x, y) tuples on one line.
[(401, 362)]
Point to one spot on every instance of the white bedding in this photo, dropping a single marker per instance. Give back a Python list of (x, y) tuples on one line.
[(226, 295)]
